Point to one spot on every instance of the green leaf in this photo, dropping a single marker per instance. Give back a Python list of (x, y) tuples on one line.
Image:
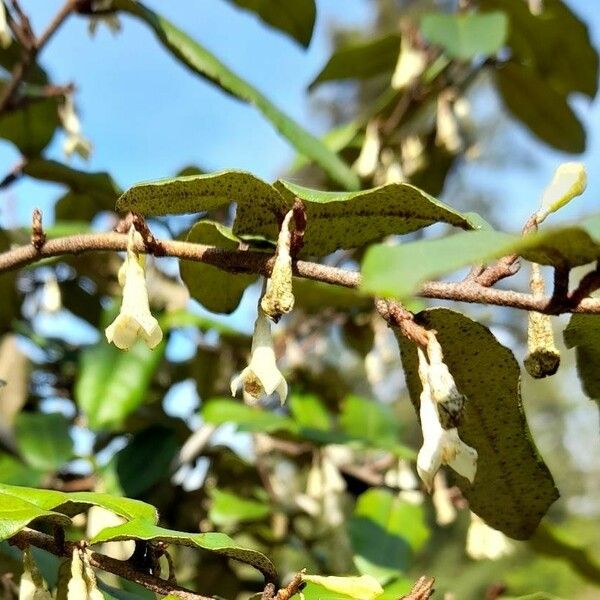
[(513, 487), (199, 60), (370, 421), (296, 19), (309, 412), (31, 125), (337, 220), (146, 459), (111, 383), (399, 270), (13, 54), (312, 591), (361, 60), (312, 296), (89, 193), (76, 502), (43, 440), (217, 290), (386, 531), (465, 36), (198, 193), (228, 509), (540, 107), (247, 418), (583, 334), (16, 514), (556, 44), (15, 472), (213, 542)]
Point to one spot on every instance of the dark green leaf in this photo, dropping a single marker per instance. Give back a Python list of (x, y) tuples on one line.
[(15, 472), (111, 383), (540, 107), (31, 125), (386, 531), (583, 334), (467, 35), (228, 509), (9, 298), (13, 54), (217, 290), (556, 44), (361, 60), (398, 270), (296, 19), (43, 440), (201, 61), (88, 193), (338, 220), (247, 418), (513, 488), (213, 542), (146, 459)]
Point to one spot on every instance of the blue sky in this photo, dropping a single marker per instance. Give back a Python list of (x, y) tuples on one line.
[(147, 116)]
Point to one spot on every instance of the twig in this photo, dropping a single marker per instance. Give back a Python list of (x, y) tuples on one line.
[(399, 317), (15, 173), (588, 284), (153, 246), (297, 240), (22, 67), (422, 590), (29, 537), (293, 587), (241, 261), (38, 237)]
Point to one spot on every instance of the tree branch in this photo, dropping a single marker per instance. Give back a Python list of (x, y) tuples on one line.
[(244, 261), (121, 568)]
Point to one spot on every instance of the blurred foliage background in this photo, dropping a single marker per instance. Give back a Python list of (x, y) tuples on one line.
[(415, 94)]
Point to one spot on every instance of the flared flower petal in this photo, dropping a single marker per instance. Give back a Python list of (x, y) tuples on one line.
[(134, 319), (486, 543), (261, 377)]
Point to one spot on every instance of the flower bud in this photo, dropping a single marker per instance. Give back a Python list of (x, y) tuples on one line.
[(279, 297), (569, 181)]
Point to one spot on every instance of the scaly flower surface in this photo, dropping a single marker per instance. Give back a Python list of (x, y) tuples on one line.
[(261, 377), (134, 319), (440, 446)]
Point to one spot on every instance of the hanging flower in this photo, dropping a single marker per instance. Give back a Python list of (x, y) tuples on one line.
[(448, 133), (279, 297), (411, 63), (75, 142), (440, 446), (486, 543), (5, 37), (32, 586), (51, 298), (134, 319), (445, 513), (261, 377), (368, 159)]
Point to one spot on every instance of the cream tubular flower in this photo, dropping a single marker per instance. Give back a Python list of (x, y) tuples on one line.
[(411, 64), (75, 142), (279, 297), (261, 377), (486, 543), (32, 585), (368, 160), (134, 319), (5, 36), (440, 446)]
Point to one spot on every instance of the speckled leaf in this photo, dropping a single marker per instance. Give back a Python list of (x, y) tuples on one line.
[(398, 270), (540, 107), (217, 290), (16, 514), (583, 334), (199, 193), (202, 62), (213, 542), (513, 487), (338, 220)]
